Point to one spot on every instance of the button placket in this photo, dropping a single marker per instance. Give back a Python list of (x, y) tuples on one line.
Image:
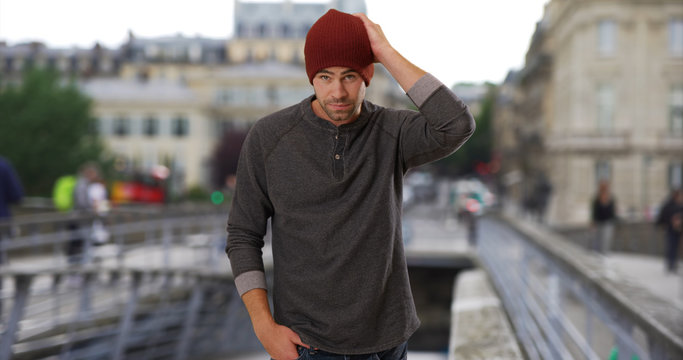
[(340, 143)]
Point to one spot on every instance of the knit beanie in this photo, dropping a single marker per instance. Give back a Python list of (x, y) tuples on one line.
[(339, 39)]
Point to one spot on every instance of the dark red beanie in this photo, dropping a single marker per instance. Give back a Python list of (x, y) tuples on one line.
[(338, 39)]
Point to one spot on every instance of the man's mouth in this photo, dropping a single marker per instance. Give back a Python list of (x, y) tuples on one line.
[(338, 106)]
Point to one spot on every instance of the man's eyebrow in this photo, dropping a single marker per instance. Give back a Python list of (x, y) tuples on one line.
[(347, 71)]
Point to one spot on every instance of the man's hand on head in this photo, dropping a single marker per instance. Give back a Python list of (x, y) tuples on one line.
[(403, 71), (378, 41)]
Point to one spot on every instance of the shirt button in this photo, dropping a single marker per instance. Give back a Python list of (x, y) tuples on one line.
[(337, 157)]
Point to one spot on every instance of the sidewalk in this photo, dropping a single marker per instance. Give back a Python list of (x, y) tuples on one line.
[(648, 273)]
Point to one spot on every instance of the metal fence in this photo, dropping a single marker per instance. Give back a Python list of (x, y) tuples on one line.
[(563, 304), (158, 288)]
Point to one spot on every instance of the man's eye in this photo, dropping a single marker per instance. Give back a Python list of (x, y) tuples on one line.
[(324, 77), (350, 77)]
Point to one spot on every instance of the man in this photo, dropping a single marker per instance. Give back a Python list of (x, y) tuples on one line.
[(328, 172)]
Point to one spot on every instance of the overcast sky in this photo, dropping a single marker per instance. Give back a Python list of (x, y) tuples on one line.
[(456, 40)]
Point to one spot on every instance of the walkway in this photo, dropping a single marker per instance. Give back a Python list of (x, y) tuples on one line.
[(431, 232), (648, 272)]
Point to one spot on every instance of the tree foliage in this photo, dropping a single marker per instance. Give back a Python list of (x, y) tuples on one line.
[(46, 129)]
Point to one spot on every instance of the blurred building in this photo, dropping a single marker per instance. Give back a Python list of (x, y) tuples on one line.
[(168, 100), (81, 63), (600, 97)]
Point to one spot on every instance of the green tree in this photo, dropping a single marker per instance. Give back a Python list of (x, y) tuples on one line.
[(46, 129), (478, 148)]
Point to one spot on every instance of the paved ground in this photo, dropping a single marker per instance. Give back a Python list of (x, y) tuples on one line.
[(434, 231), (648, 272)]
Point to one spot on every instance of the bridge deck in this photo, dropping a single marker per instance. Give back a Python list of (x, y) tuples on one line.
[(433, 238)]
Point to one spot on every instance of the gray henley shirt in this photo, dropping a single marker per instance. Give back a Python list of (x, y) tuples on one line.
[(334, 197)]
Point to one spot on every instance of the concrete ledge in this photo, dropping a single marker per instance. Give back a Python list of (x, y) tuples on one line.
[(479, 326)]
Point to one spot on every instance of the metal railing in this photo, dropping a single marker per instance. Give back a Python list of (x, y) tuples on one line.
[(159, 288), (564, 304)]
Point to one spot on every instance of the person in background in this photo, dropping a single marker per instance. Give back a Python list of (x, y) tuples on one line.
[(670, 217), (11, 192), (97, 193), (603, 218), (82, 205), (543, 192)]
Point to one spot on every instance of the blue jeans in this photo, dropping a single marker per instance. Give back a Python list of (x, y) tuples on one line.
[(398, 353)]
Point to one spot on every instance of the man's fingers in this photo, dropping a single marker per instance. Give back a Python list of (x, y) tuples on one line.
[(361, 16), (294, 338)]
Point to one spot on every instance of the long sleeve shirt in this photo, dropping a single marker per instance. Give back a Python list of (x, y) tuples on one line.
[(334, 197)]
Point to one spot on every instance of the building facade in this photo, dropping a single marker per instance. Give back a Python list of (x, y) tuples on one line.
[(168, 100), (600, 98)]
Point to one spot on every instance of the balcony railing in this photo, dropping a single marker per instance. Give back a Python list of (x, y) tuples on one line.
[(587, 141), (670, 141)]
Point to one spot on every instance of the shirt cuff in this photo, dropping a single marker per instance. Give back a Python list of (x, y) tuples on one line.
[(250, 280), (423, 89)]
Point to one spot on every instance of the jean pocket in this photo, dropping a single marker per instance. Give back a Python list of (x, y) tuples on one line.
[(303, 352)]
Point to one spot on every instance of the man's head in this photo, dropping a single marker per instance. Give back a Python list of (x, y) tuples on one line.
[(339, 39)]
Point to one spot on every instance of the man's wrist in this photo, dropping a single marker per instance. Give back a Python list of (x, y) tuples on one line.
[(384, 53), (264, 326)]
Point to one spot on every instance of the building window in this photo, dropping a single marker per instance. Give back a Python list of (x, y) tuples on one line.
[(150, 126), (73, 64), (676, 37), (675, 175), (607, 37), (52, 63), (676, 110), (304, 30), (262, 30), (122, 126), (602, 171), (180, 126), (63, 64), (285, 31), (101, 126), (257, 96), (606, 107)]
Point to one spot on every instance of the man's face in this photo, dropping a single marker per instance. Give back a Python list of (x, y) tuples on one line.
[(339, 92)]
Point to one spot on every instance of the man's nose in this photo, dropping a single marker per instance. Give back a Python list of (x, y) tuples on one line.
[(338, 89)]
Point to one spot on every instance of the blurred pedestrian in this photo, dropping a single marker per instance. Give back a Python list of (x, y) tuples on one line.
[(671, 219), (97, 193), (543, 191), (603, 218), (472, 209), (11, 192), (82, 208), (329, 172)]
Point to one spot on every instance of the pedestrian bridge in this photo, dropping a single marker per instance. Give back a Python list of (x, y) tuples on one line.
[(161, 288)]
